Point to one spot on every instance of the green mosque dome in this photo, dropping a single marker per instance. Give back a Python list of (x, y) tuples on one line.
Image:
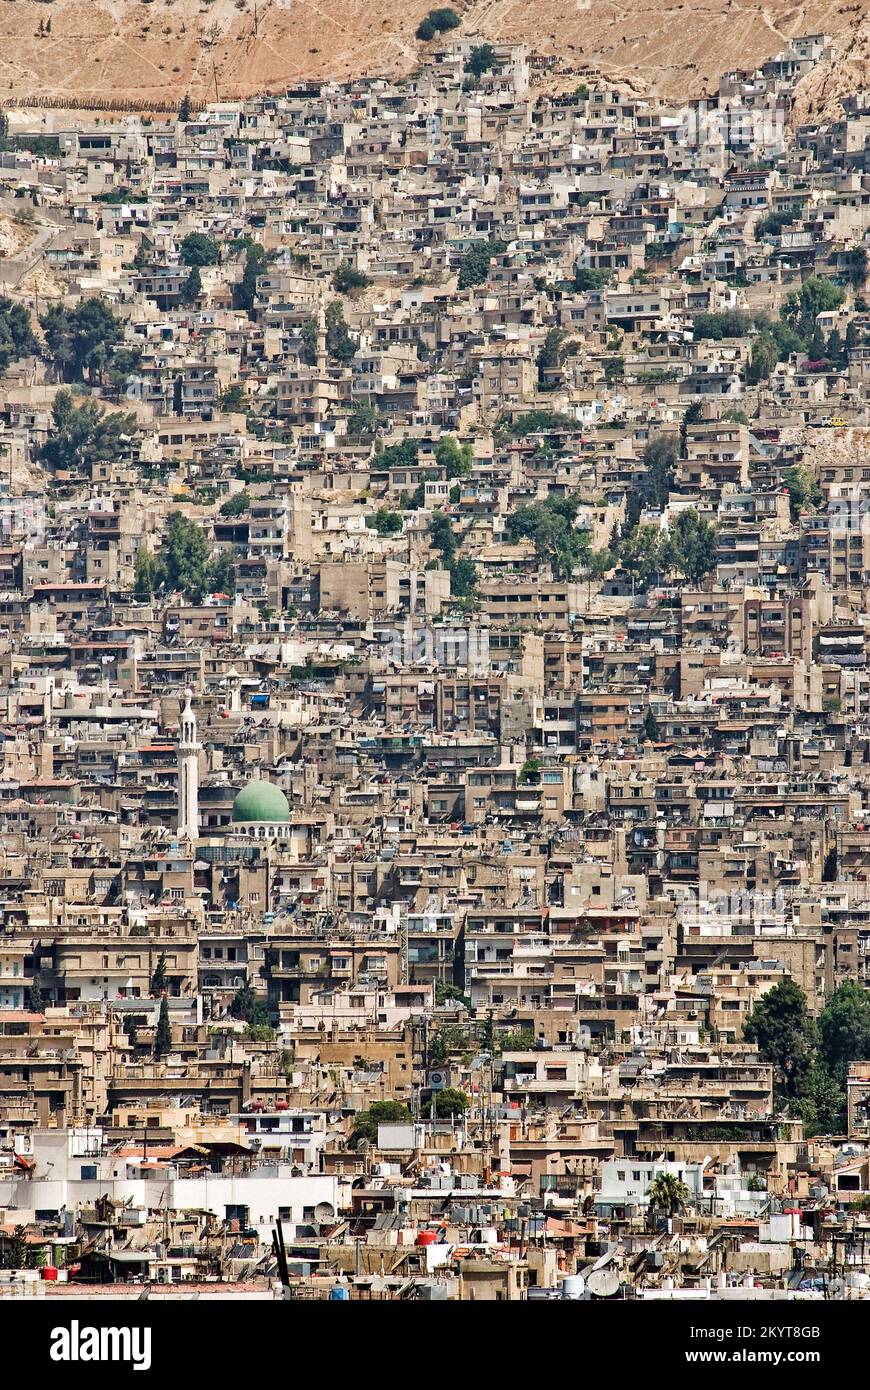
[(261, 801)]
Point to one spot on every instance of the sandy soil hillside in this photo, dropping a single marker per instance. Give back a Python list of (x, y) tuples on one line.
[(160, 49)]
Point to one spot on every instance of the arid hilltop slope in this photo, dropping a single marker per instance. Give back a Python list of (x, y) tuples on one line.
[(160, 49)]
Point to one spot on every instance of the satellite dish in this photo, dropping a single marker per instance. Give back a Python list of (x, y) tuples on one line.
[(323, 1212), (603, 1283)]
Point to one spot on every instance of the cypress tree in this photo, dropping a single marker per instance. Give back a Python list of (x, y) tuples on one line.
[(163, 1036), (158, 979)]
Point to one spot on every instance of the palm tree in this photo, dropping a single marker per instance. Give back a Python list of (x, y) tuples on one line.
[(668, 1194)]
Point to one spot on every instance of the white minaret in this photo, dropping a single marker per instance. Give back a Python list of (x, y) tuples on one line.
[(234, 684), (188, 773)]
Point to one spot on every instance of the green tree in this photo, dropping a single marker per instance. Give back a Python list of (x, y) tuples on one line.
[(347, 278), (16, 334), (542, 422), (144, 251), (441, 536), (437, 22), (856, 265), (823, 1106), (803, 489), (192, 287), (245, 292), (446, 992), (439, 1047), (363, 422), (17, 1256), (551, 356), (221, 573), (450, 1103), (199, 249), (693, 545), (340, 342), (781, 1028), (549, 525), (260, 1032), (85, 434), (487, 1034), (385, 522), (691, 416), (729, 323), (659, 458), (773, 223), (403, 454), (413, 501), (474, 266), (249, 1007), (816, 295), (236, 505), (481, 59), (308, 334), (765, 355), (587, 280), (121, 366), (145, 575), (36, 1257), (668, 1194), (456, 459), (81, 341), (444, 19), (844, 1030), (182, 561), (163, 1031), (835, 350), (158, 979), (185, 109), (642, 554), (34, 996), (817, 347), (598, 563), (786, 339), (381, 1112), (463, 577), (650, 728)]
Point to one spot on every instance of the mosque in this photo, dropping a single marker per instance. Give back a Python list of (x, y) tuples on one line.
[(261, 811)]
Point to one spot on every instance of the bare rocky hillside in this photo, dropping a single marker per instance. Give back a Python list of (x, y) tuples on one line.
[(156, 50)]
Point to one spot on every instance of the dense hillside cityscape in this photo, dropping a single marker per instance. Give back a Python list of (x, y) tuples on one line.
[(434, 689)]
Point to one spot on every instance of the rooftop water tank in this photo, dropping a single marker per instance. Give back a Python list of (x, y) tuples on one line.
[(573, 1286)]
